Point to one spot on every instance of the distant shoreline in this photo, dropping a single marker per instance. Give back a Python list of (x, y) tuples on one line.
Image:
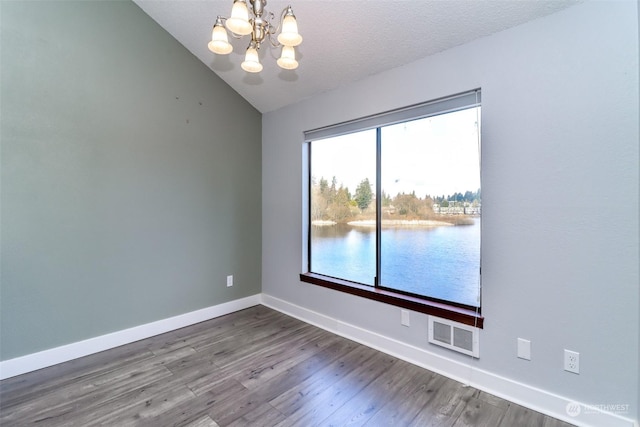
[(387, 223), (322, 223), (400, 222)]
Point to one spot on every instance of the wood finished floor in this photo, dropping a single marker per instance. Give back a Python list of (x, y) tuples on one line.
[(255, 367)]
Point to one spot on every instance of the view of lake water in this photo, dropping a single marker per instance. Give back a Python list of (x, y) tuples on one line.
[(442, 262)]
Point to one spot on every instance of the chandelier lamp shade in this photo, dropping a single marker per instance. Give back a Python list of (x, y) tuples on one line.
[(258, 23)]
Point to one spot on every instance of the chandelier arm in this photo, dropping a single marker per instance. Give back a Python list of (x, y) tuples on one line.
[(270, 18), (274, 41), (282, 14), (272, 32), (269, 32)]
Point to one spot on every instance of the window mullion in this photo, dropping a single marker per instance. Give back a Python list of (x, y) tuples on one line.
[(378, 203), (309, 208)]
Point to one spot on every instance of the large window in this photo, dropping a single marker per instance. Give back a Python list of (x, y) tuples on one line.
[(395, 202)]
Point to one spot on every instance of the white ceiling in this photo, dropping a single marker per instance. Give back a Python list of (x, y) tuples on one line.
[(344, 40)]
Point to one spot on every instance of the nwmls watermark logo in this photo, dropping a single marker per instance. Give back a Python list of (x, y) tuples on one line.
[(574, 408)]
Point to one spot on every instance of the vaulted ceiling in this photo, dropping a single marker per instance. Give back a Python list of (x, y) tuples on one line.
[(344, 40)]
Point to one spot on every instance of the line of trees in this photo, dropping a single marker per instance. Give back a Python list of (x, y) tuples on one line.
[(333, 202), (330, 202), (471, 197)]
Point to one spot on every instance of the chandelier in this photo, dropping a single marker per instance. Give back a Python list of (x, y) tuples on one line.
[(260, 26)]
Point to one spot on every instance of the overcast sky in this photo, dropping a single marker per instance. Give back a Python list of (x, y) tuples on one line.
[(437, 156)]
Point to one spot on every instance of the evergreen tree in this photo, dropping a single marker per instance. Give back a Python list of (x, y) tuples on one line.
[(323, 185), (363, 195)]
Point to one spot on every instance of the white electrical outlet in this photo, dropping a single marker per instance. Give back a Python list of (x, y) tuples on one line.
[(404, 317), (572, 361), (229, 281)]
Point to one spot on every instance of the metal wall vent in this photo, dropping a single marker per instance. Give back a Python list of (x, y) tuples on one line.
[(454, 336)]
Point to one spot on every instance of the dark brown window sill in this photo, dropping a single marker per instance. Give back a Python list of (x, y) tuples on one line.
[(445, 311)]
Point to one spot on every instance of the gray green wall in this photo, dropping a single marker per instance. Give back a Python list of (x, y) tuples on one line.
[(130, 176)]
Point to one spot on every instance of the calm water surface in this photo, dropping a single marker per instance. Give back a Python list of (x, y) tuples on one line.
[(442, 262)]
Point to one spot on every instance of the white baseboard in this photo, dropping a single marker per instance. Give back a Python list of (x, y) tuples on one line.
[(31, 362), (522, 394)]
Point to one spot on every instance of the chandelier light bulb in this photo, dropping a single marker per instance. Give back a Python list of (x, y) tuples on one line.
[(219, 41), (287, 59), (238, 23), (289, 35), (251, 62)]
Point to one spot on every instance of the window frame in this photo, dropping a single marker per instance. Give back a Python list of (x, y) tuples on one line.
[(445, 309)]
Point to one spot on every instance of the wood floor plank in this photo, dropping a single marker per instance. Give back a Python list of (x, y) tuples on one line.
[(294, 398), (255, 367), (205, 421), (112, 401), (327, 402), (241, 348), (479, 413), (319, 364), (198, 406), (359, 409), (283, 357), (207, 380), (263, 415), (237, 406), (446, 406), (26, 387), (191, 412), (234, 407), (516, 415), (55, 405), (400, 411), (136, 412), (210, 332)]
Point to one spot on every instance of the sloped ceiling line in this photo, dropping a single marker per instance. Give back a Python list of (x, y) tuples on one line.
[(344, 40)]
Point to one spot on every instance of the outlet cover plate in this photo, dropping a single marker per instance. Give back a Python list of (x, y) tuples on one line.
[(572, 361), (404, 317), (524, 349)]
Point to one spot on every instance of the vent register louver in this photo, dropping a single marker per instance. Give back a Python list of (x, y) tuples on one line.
[(454, 336)]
